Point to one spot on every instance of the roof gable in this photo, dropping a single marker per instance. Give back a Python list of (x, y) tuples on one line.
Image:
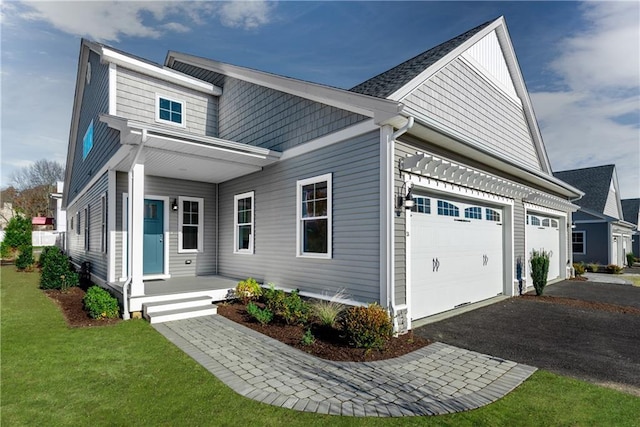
[(600, 187), (631, 210)]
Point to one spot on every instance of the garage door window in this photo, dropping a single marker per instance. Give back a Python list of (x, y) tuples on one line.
[(578, 242), (492, 215), (473, 213), (421, 205), (535, 220), (546, 222), (447, 209), (554, 223)]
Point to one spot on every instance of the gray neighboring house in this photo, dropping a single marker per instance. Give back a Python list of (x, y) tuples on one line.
[(411, 189), (631, 213), (601, 234)]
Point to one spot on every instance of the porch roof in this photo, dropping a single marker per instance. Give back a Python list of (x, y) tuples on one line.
[(182, 155)]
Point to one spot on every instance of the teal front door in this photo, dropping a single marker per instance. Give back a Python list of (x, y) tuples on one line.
[(153, 245)]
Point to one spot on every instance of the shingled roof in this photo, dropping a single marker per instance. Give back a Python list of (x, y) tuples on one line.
[(630, 210), (384, 84), (594, 182)]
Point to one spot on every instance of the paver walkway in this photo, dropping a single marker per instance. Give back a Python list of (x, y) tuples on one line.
[(437, 379)]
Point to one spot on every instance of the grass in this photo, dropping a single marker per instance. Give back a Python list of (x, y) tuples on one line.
[(129, 374)]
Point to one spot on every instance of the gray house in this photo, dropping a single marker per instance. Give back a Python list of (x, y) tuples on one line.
[(411, 189), (631, 214), (600, 234)]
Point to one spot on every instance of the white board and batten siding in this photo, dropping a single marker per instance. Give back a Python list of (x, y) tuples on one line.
[(355, 264), (136, 100)]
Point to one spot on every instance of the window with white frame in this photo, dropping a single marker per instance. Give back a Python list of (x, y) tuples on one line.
[(578, 242), (314, 205), (447, 209), (421, 204), (494, 215), (535, 220), (190, 227), (474, 212), (78, 223), (103, 224), (243, 222), (87, 228), (169, 110)]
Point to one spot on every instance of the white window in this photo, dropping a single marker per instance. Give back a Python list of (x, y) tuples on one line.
[(447, 209), (103, 224), (243, 222), (170, 111), (474, 212), (494, 215), (86, 228), (421, 205), (314, 205), (546, 222), (78, 223), (190, 228), (579, 242), (535, 220)]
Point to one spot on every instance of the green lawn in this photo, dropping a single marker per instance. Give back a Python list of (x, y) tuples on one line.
[(129, 374)]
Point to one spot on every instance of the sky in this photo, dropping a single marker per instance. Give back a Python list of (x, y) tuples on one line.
[(580, 61)]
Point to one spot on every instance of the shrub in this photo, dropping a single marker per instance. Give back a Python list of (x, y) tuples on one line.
[(579, 268), (25, 259), (248, 290), (328, 312), (614, 269), (16, 235), (289, 307), (593, 267), (307, 338), (43, 254), (367, 327), (262, 315), (56, 270), (539, 269), (630, 259), (274, 298), (100, 304)]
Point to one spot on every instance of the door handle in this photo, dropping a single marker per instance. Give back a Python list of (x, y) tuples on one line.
[(435, 263)]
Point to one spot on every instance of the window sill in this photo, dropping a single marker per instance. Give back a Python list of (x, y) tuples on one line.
[(243, 252), (189, 251), (314, 256)]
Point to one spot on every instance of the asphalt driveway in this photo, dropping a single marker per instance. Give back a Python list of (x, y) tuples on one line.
[(593, 345)]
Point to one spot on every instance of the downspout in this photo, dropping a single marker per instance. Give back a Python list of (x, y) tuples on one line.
[(125, 287), (391, 291)]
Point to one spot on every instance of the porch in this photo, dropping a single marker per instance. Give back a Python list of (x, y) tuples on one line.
[(218, 288)]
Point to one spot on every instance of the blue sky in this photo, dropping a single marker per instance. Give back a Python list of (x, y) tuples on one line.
[(580, 61)]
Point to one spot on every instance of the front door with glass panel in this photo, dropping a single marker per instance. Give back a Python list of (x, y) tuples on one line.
[(153, 245)]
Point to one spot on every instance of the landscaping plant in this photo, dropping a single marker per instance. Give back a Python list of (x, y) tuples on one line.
[(17, 234), (262, 315), (328, 312), (290, 308), (56, 270), (367, 327), (630, 259), (614, 269), (248, 290), (579, 268), (539, 269), (25, 261), (593, 267), (100, 304), (307, 338)]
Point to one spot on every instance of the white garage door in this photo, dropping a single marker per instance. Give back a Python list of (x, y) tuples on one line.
[(456, 254), (544, 233)]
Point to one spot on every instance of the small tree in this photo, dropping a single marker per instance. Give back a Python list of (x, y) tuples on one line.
[(17, 234), (25, 259), (56, 272), (539, 269)]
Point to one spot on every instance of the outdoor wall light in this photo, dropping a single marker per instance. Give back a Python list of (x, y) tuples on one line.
[(174, 205), (408, 200), (573, 225)]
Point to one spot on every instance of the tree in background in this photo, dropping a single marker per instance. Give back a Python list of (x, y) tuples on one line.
[(17, 236), (33, 184)]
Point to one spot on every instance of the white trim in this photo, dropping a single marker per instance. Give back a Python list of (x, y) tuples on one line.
[(87, 228), (183, 108), (104, 226), (156, 277), (236, 198), (165, 236), (448, 189), (584, 242), (299, 184), (200, 225), (408, 277), (124, 255), (113, 89), (157, 72), (386, 217), (328, 140), (111, 224)]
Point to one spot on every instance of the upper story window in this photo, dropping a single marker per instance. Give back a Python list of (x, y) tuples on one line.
[(473, 213), (190, 224), (421, 205), (243, 227), (494, 215), (314, 201), (169, 110), (447, 209), (87, 141)]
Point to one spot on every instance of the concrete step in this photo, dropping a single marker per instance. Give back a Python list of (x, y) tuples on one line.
[(181, 313), (176, 304)]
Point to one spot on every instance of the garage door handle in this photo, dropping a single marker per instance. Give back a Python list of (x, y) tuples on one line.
[(485, 260), (436, 264)]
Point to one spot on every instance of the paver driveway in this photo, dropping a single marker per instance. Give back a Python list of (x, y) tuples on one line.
[(597, 346)]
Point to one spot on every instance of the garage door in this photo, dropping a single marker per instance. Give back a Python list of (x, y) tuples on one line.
[(456, 254), (543, 232)]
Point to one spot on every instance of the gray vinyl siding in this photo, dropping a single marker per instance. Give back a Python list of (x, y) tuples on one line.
[(597, 240), (355, 266), (461, 100), (75, 241), (106, 141), (202, 263), (268, 118), (519, 226), (136, 100)]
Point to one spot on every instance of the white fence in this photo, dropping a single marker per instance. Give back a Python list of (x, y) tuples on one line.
[(43, 238)]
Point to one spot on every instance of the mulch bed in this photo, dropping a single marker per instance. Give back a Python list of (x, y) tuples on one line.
[(70, 302), (328, 343), (587, 305)]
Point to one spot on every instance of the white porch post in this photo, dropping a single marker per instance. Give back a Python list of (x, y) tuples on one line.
[(136, 226)]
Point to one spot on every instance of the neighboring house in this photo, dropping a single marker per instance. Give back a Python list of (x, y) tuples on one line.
[(600, 234), (60, 215), (631, 214), (199, 170), (6, 213)]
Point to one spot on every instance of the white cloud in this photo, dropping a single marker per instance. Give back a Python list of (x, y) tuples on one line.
[(109, 21), (600, 66)]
